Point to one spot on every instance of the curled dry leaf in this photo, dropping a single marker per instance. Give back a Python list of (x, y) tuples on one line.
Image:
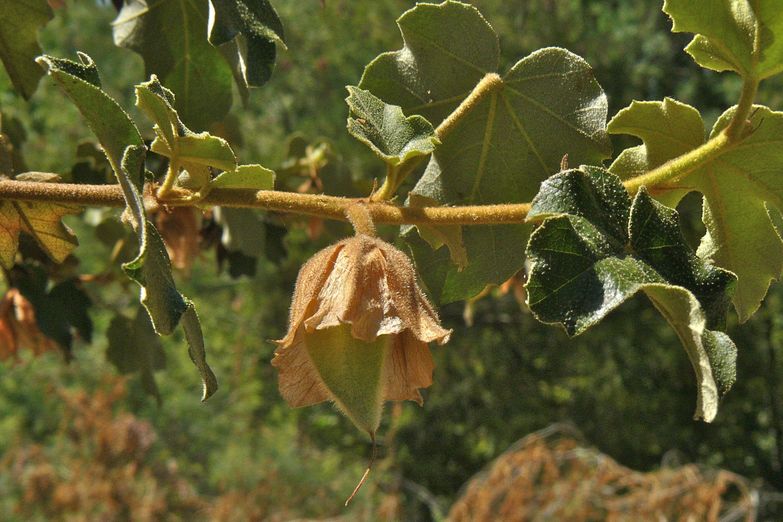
[(19, 328), (358, 332)]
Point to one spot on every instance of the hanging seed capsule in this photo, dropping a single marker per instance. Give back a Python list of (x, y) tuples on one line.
[(358, 332)]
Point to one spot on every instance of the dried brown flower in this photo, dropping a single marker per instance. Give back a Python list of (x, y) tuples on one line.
[(358, 331)]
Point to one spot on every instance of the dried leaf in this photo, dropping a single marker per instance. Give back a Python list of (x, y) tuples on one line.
[(19, 328), (40, 220)]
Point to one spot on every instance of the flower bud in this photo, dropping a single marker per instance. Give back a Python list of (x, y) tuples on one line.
[(358, 331)]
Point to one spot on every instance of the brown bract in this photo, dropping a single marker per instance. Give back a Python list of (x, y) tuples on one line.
[(370, 285)]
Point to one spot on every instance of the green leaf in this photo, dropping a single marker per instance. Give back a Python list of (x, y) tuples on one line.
[(171, 37), (243, 230), (123, 147), (254, 28), (384, 128), (438, 236), (60, 310), (596, 249), (668, 130), (107, 120), (134, 347), (745, 36), (548, 105), (246, 177), (174, 140), (197, 352), (738, 187), (19, 23), (152, 271)]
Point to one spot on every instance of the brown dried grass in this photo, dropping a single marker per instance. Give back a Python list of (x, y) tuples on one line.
[(549, 475)]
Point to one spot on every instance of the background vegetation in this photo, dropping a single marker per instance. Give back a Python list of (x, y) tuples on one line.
[(80, 440)]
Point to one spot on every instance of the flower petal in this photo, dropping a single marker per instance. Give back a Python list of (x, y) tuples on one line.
[(408, 368), (298, 380)]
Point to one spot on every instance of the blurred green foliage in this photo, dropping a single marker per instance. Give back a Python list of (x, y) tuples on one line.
[(627, 384)]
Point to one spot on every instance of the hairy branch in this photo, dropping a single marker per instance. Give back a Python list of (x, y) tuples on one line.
[(328, 207)]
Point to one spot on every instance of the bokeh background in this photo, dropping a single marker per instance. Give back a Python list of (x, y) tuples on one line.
[(79, 441)]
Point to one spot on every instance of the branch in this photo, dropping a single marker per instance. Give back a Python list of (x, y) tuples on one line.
[(328, 207), (683, 165)]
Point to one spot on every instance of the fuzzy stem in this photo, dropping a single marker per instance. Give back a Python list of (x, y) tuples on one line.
[(171, 177), (361, 219), (327, 207), (682, 165), (489, 84), (389, 186), (744, 108)]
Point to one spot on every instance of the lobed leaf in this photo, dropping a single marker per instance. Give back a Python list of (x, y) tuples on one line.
[(195, 153), (252, 29), (668, 129), (586, 260), (739, 187), (547, 105), (384, 128), (744, 36), (19, 23), (169, 35)]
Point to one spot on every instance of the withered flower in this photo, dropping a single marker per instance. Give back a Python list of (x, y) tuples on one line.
[(358, 331)]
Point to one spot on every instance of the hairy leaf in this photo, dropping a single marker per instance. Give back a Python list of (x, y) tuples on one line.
[(196, 350), (596, 249), (384, 128), (668, 130), (108, 121), (738, 187), (745, 36), (171, 37), (547, 105), (19, 23), (195, 153), (254, 29), (246, 177), (151, 269), (122, 143)]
